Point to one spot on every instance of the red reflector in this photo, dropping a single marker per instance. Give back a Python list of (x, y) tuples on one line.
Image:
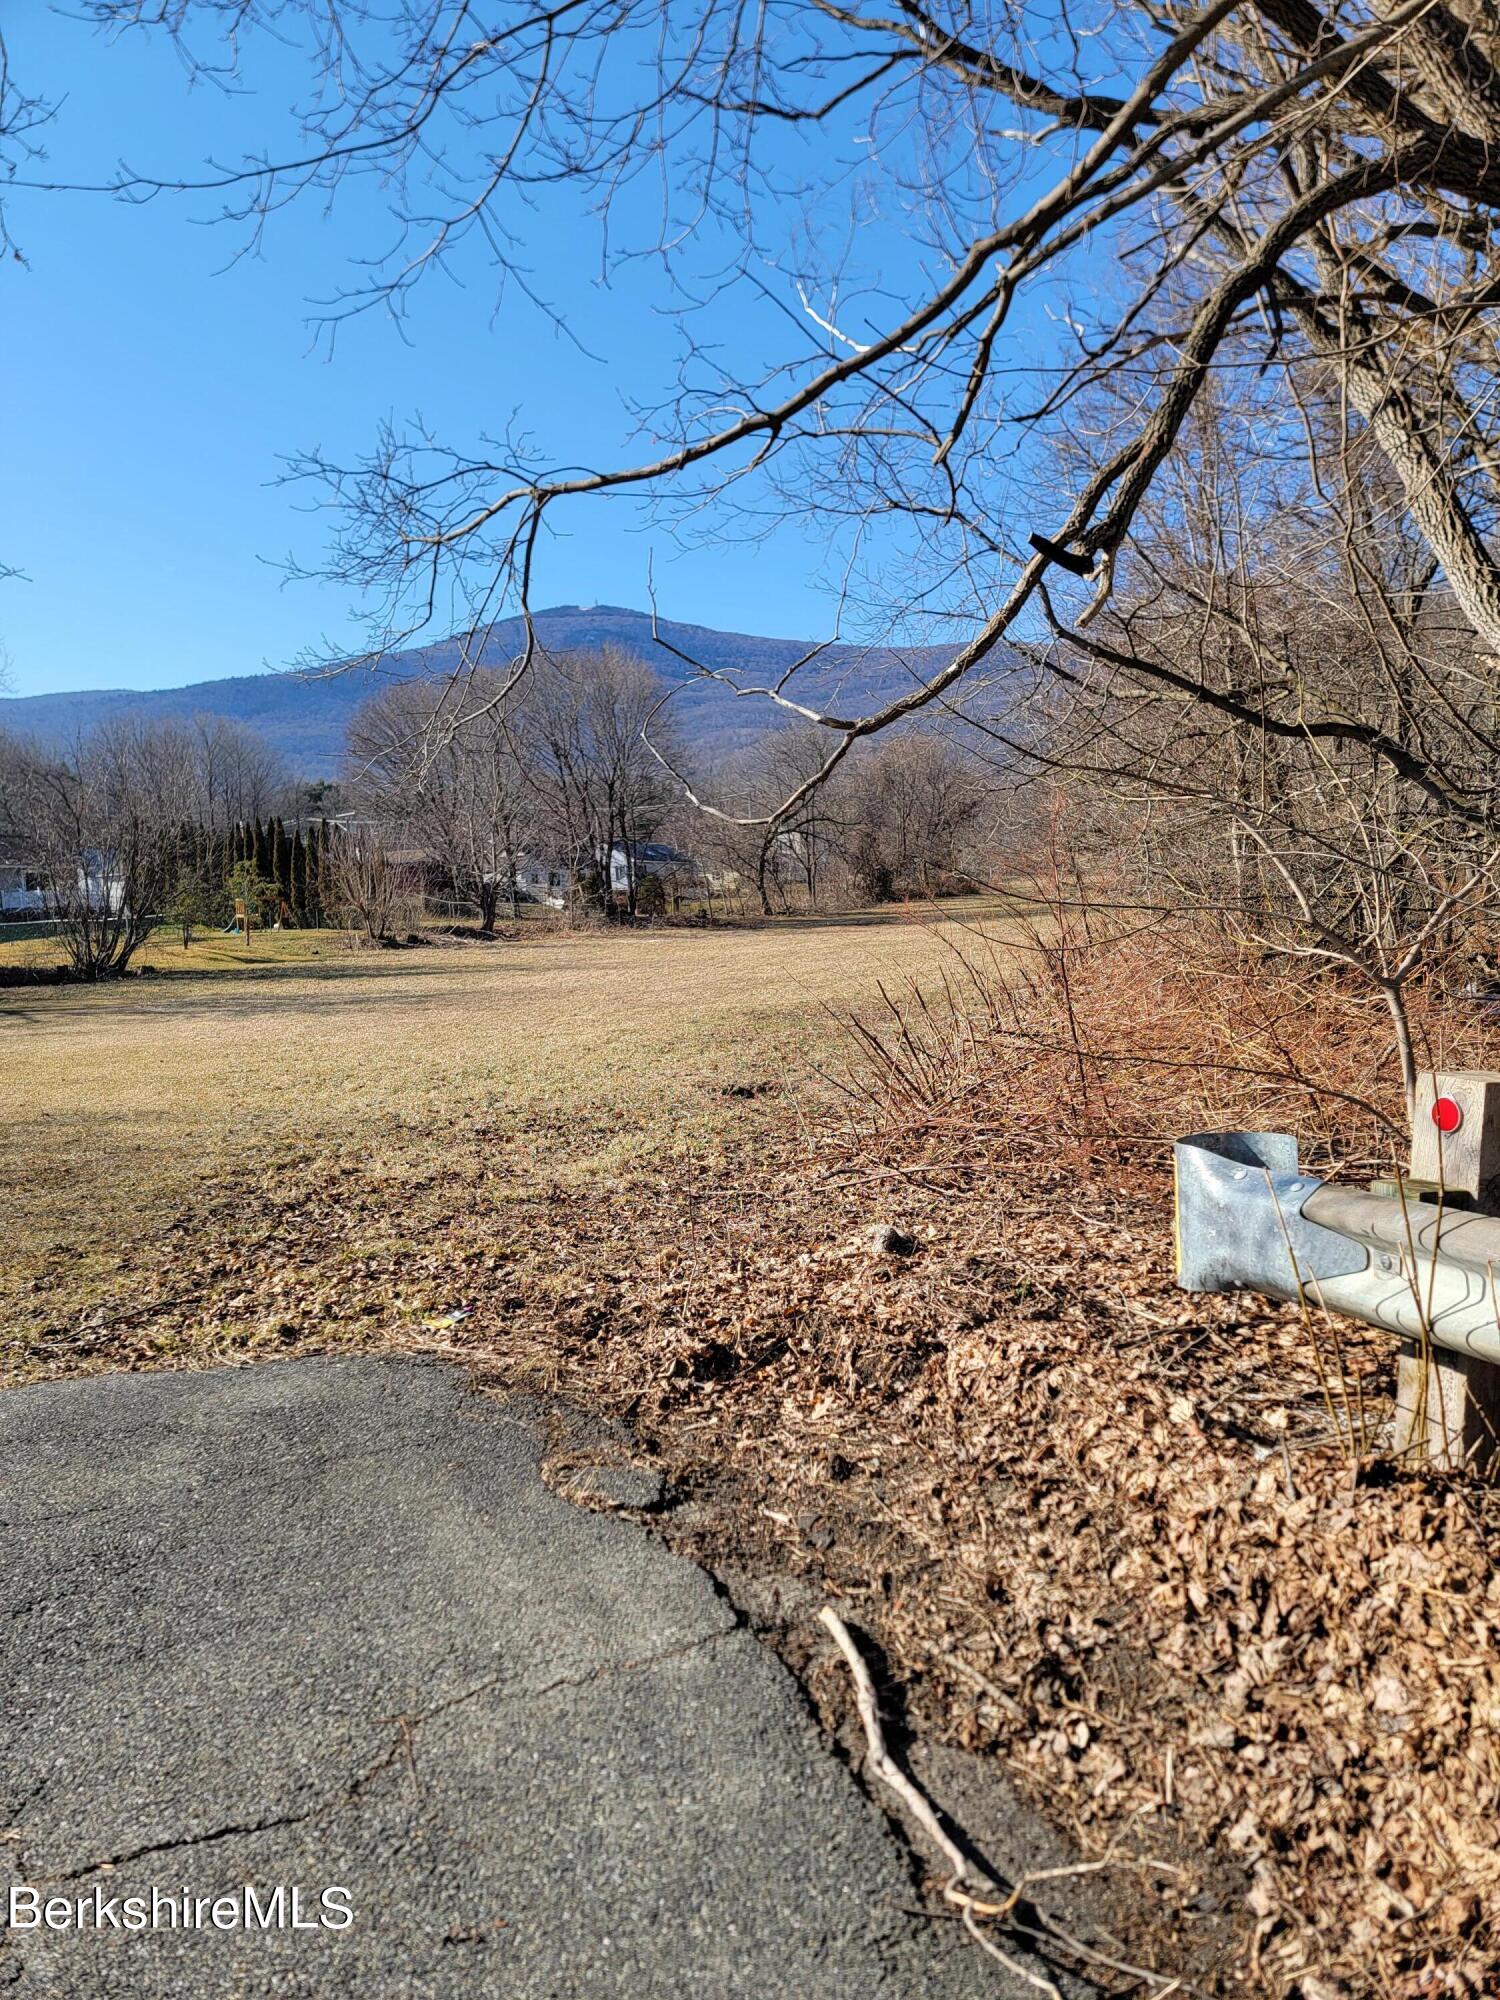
[(1446, 1115)]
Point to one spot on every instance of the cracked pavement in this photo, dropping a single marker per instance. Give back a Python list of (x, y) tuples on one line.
[(321, 1623)]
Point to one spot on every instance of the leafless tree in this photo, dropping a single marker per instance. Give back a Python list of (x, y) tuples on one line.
[(1291, 587), (442, 765), (98, 825), (905, 816), (793, 866), (238, 776), (23, 114), (581, 736), (810, 839), (917, 807)]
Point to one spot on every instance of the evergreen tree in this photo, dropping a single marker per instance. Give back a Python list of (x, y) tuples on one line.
[(325, 834), (260, 852), (298, 866), (281, 861), (195, 904), (255, 891)]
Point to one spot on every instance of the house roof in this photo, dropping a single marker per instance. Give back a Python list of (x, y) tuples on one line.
[(660, 854)]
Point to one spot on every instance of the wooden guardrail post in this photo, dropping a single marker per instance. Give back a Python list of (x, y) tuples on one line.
[(1448, 1404)]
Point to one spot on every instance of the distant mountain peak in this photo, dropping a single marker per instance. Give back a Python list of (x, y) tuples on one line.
[(305, 719)]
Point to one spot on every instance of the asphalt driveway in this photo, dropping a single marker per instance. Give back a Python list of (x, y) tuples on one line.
[(320, 1626)]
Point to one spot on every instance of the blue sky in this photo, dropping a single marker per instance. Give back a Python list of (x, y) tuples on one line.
[(151, 393)]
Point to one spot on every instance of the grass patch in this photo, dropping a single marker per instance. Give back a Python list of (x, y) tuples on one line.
[(210, 951)]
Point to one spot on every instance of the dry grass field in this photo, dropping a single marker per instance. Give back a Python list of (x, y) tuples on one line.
[(149, 1122)]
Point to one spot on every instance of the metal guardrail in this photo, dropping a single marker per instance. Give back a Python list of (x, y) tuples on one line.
[(1249, 1220), (1421, 1260)]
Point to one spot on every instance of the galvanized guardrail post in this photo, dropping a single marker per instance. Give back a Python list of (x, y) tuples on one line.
[(1420, 1257)]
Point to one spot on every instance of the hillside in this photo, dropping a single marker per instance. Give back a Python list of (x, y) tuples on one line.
[(306, 718)]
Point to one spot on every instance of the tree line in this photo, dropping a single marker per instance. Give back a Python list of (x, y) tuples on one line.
[(275, 873), (916, 815), (574, 769), (138, 824), (572, 763), (578, 764)]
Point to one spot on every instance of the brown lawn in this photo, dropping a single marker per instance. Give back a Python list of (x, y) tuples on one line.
[(149, 1122)]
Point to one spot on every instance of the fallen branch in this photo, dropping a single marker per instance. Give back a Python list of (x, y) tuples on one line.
[(891, 1774), (969, 1906)]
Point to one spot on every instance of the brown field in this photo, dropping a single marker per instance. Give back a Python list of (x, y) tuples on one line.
[(209, 951), (149, 1121)]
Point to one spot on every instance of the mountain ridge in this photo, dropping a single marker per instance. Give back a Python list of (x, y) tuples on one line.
[(305, 717)]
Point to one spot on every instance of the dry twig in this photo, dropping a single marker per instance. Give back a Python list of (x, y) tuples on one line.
[(969, 1906)]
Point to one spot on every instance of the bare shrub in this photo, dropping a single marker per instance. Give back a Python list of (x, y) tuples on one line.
[(374, 894), (1089, 1035)]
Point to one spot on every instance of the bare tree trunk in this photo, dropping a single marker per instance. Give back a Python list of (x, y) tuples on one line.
[(1394, 994)]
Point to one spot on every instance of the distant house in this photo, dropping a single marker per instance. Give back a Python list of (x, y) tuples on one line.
[(26, 889), (547, 880), (538, 879), (22, 890), (679, 874), (421, 865), (550, 881), (543, 881), (99, 886)]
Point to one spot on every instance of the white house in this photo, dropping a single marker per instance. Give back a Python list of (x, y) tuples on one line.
[(542, 881), (547, 880), (98, 884), (678, 873), (24, 886), (21, 891)]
